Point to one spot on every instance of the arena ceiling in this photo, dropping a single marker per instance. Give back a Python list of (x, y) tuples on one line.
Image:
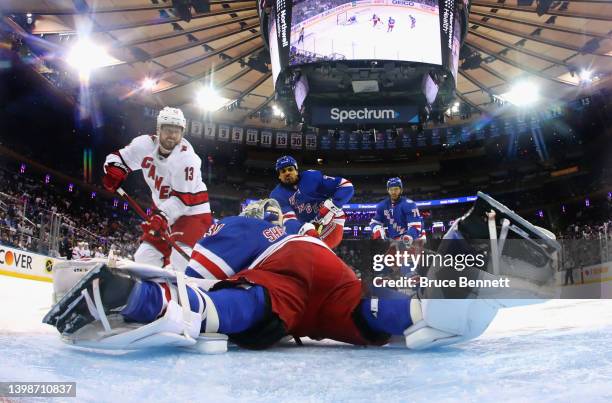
[(505, 42)]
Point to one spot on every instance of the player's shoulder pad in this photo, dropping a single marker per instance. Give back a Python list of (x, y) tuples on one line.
[(186, 155), (279, 192), (310, 180), (186, 147), (311, 174), (145, 140), (411, 203)]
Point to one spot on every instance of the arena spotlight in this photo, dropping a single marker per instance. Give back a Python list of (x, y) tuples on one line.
[(148, 84), (523, 93), (208, 99), (85, 56), (586, 76), (278, 112)]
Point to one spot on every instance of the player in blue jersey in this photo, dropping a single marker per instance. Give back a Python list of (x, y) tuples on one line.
[(310, 199), (220, 253), (390, 24), (397, 217), (295, 285), (375, 20)]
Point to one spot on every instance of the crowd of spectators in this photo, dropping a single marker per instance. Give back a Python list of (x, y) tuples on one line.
[(586, 243), (28, 208), (303, 10), (29, 204), (297, 56)]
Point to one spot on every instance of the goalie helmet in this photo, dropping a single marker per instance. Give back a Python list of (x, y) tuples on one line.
[(171, 116), (265, 209)]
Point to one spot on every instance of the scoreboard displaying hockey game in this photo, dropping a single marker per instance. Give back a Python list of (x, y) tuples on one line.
[(397, 56), (365, 30), (305, 32)]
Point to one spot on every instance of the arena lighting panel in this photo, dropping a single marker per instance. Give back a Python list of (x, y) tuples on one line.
[(522, 94), (86, 56), (366, 63), (208, 99)]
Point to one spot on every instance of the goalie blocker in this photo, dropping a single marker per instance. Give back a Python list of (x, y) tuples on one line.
[(281, 296)]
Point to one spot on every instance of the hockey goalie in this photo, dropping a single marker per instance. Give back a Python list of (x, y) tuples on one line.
[(251, 284)]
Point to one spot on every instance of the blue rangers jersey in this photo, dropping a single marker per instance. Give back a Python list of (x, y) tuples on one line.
[(400, 218), (237, 243), (300, 203)]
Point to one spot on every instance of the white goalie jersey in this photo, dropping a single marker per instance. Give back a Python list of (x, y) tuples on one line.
[(176, 182)]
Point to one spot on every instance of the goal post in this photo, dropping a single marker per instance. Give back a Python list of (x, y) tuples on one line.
[(342, 18)]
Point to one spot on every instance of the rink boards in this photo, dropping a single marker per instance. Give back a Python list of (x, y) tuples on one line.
[(23, 264)]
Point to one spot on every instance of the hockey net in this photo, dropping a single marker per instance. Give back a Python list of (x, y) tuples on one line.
[(342, 18)]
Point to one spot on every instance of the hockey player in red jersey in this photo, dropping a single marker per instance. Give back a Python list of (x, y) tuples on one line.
[(172, 170), (298, 286)]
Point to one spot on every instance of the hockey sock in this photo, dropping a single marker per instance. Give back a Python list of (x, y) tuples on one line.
[(388, 314), (144, 303), (148, 300), (238, 308)]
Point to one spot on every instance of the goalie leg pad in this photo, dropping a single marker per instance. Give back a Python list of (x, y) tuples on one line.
[(89, 314), (171, 330), (447, 321)]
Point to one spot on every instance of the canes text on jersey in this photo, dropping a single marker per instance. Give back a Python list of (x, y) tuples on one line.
[(164, 191)]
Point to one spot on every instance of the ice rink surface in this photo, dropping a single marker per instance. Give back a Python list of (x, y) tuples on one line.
[(363, 41), (559, 351)]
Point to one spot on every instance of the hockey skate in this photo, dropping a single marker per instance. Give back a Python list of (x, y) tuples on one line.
[(90, 313)]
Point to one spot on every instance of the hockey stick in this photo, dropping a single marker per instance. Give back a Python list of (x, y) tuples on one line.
[(143, 215)]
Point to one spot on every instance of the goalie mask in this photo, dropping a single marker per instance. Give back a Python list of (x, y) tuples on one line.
[(265, 209)]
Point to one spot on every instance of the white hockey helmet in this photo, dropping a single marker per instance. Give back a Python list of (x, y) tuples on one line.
[(171, 116)]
